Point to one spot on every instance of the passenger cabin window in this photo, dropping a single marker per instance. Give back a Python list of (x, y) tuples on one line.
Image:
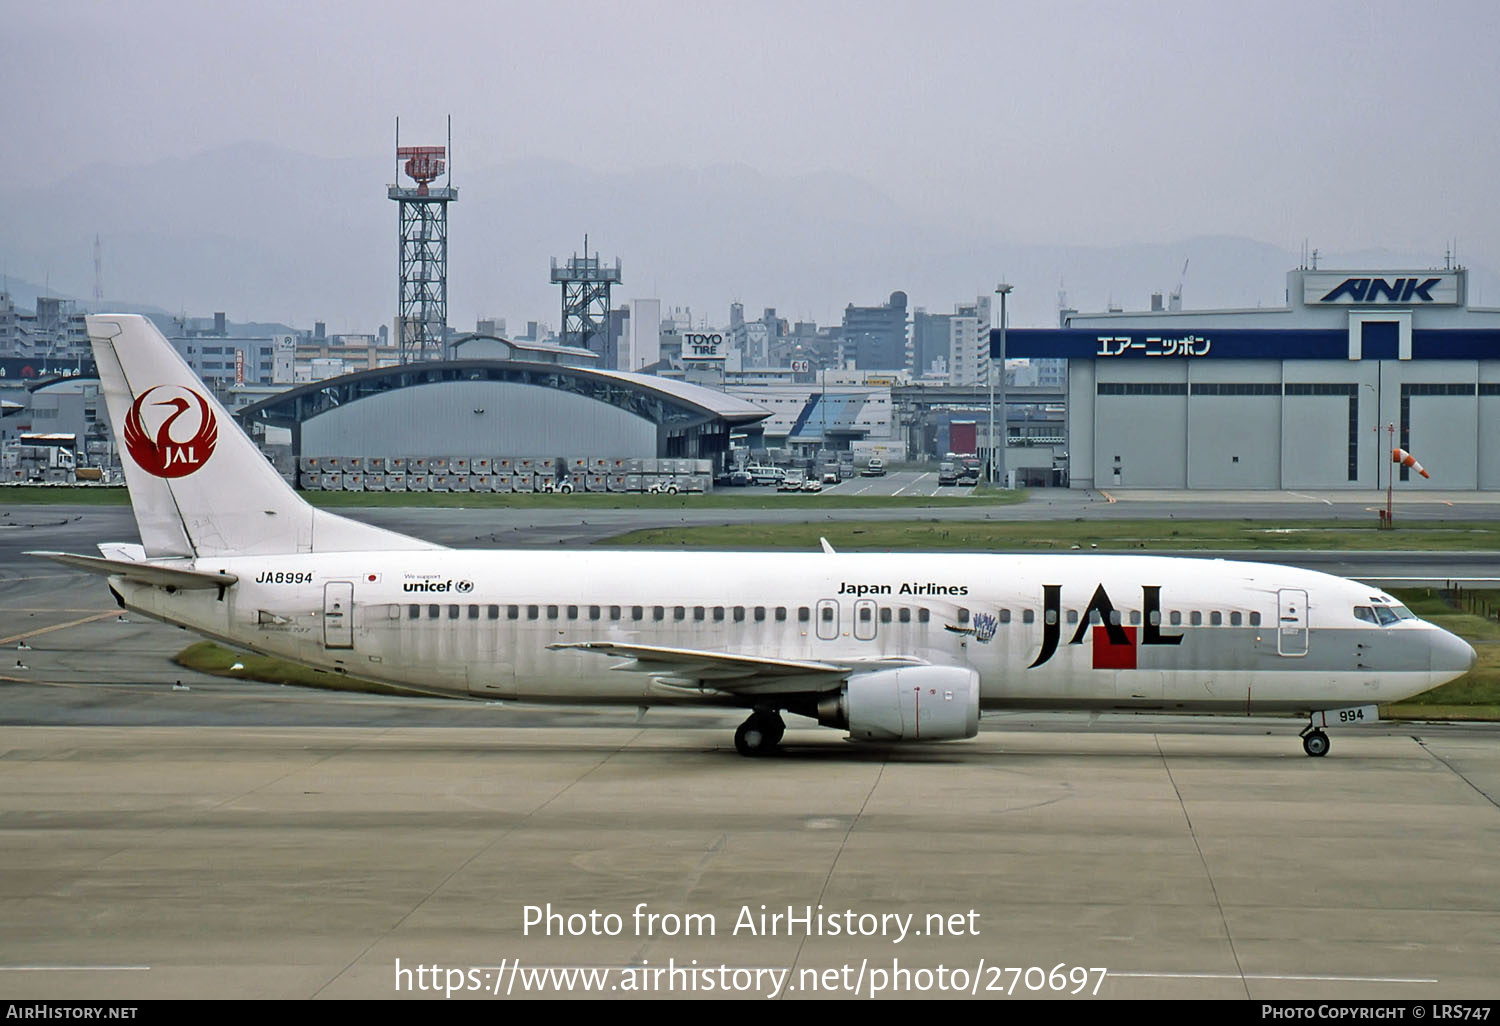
[(1005, 616), (533, 612), (924, 615), (492, 612), (906, 616), (1072, 616), (1197, 618), (1176, 617), (473, 612), (885, 614), (1254, 619), (1216, 619), (803, 614), (1235, 618), (433, 612), (1029, 616), (781, 614), (552, 612), (512, 612), (718, 614), (453, 612), (413, 612)]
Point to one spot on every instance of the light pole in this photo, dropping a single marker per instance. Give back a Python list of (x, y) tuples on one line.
[(997, 453)]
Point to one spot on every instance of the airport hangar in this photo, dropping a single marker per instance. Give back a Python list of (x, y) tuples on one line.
[(537, 403), (1298, 397)]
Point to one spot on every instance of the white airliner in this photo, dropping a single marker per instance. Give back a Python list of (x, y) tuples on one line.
[(890, 647)]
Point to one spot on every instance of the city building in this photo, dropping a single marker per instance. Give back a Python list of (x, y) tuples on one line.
[(875, 337)]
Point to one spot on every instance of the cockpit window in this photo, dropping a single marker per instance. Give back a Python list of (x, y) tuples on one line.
[(1383, 614)]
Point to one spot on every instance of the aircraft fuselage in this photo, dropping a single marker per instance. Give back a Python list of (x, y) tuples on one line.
[(1042, 631)]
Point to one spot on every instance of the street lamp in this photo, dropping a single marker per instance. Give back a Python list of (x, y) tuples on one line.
[(997, 453)]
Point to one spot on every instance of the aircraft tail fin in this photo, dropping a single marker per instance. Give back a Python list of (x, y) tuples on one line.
[(199, 486)]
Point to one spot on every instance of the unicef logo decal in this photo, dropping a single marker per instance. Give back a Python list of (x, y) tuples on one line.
[(464, 587)]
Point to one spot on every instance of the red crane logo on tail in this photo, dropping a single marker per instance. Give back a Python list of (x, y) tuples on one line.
[(166, 456)]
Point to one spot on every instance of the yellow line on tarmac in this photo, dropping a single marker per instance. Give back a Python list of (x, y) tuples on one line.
[(1108, 496), (58, 627)]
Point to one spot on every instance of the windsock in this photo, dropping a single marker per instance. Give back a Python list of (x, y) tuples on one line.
[(1406, 459)]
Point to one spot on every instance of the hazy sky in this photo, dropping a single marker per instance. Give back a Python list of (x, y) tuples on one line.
[(1352, 124)]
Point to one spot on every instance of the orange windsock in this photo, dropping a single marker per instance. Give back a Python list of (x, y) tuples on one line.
[(1406, 459)]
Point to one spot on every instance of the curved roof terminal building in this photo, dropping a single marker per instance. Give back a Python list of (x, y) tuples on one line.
[(504, 408)]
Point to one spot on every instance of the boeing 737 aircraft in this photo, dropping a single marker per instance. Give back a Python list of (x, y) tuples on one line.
[(890, 647)]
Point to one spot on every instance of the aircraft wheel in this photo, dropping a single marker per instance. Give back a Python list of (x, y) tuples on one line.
[(760, 734), (1315, 743)]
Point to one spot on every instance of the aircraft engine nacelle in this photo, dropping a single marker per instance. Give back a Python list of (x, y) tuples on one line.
[(917, 703)]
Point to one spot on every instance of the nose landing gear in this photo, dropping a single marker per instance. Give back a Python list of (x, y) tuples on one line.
[(1314, 742)]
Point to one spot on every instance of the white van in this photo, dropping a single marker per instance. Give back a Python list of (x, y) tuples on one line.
[(765, 475)]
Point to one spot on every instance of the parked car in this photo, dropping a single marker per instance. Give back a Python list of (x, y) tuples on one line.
[(812, 484), (765, 475), (740, 478), (947, 473), (875, 468)]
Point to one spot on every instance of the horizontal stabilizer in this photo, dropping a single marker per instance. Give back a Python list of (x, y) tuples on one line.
[(147, 573)]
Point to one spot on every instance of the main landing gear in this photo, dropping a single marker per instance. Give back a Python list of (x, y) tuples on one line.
[(760, 734)]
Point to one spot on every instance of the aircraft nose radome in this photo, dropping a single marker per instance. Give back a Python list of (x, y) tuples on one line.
[(1452, 654)]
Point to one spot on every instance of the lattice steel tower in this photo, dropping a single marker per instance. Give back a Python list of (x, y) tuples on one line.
[(585, 298), (422, 306)]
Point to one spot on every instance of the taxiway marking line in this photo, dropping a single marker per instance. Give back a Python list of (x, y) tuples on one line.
[(58, 627)]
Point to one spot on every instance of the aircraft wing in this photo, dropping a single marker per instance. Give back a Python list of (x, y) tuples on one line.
[(730, 672)]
